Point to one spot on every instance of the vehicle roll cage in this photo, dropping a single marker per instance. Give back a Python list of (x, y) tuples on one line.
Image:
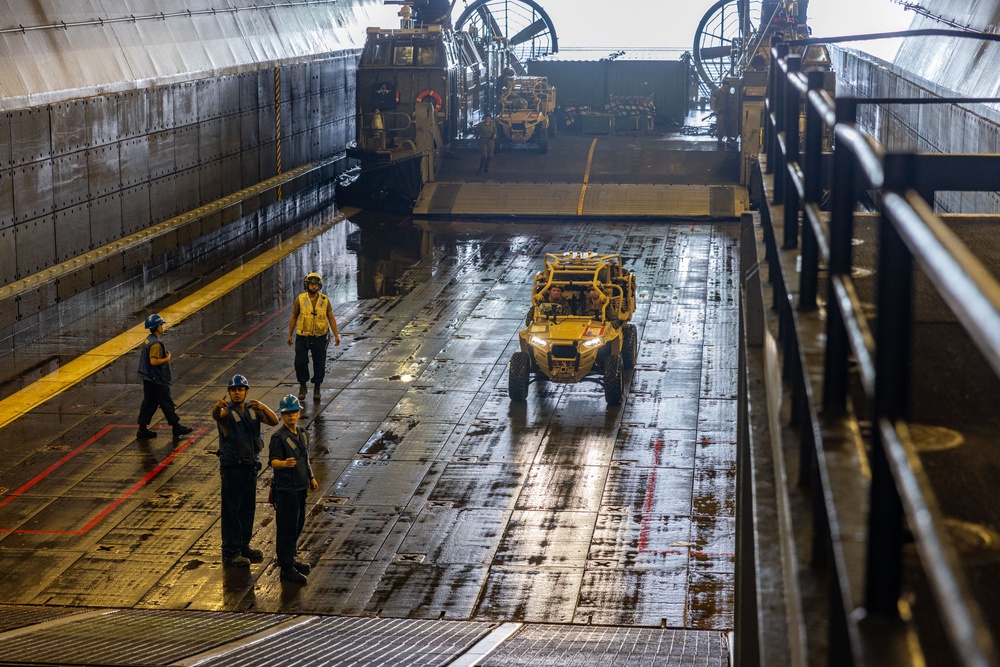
[(580, 271)]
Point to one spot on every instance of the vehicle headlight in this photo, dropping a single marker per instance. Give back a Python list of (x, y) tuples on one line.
[(538, 342), (593, 342)]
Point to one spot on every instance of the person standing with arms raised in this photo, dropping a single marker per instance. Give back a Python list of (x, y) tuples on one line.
[(240, 444)]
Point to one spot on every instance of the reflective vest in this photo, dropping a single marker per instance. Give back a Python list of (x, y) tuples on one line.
[(284, 445), (312, 321), (243, 443), (158, 374)]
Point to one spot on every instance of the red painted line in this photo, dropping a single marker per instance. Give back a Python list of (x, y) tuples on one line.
[(146, 479), (647, 504), (37, 478), (647, 510), (229, 348), (259, 325)]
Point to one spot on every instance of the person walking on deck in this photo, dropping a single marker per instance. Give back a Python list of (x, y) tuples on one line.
[(312, 322), (486, 135), (154, 369)]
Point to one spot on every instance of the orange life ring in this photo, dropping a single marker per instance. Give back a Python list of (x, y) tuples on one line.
[(437, 98)]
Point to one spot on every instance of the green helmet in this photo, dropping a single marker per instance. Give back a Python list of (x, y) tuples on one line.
[(289, 404), (312, 278)]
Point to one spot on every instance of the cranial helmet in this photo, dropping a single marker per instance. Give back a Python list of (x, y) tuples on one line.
[(312, 278), (154, 321), (289, 404), (239, 381)]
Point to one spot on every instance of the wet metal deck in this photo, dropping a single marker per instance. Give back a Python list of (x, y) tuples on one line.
[(614, 177), (576, 200), (439, 500)]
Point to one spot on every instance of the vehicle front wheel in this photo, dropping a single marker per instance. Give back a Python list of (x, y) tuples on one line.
[(534, 370), (630, 346), (543, 139), (613, 387), (517, 380)]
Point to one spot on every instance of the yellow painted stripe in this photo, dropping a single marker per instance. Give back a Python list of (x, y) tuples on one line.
[(586, 177), (71, 373)]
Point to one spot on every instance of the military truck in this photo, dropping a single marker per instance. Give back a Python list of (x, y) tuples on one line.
[(587, 334), (526, 107)]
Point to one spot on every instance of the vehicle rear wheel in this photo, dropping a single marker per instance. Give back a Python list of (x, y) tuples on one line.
[(613, 387), (630, 346), (517, 380)]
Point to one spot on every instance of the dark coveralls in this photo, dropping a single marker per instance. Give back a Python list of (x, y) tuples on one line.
[(290, 487), (239, 462), (155, 385)]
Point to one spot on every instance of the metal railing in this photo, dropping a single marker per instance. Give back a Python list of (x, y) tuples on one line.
[(910, 236)]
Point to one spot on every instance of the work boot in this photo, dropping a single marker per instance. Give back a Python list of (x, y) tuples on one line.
[(302, 392), (181, 430), (303, 567), (316, 394), (253, 555), (293, 575), (235, 561), (144, 433)]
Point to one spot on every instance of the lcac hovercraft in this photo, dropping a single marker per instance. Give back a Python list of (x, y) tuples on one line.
[(427, 83)]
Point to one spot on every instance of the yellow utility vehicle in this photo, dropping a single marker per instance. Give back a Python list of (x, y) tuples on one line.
[(579, 326), (526, 107)]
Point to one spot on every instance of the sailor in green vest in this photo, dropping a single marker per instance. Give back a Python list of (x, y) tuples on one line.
[(311, 322)]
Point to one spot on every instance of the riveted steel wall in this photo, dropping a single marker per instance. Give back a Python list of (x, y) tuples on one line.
[(78, 174), (948, 128), (6, 195), (135, 121)]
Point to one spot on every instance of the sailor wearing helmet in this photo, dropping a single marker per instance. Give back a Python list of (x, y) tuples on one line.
[(240, 444), (311, 322), (154, 369)]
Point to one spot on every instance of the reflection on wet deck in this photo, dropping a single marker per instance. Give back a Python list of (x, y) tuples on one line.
[(438, 497)]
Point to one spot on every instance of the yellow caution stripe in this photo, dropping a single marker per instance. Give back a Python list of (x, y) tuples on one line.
[(22, 402), (586, 177)]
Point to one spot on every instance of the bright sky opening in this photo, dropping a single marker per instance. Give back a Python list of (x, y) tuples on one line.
[(639, 23)]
